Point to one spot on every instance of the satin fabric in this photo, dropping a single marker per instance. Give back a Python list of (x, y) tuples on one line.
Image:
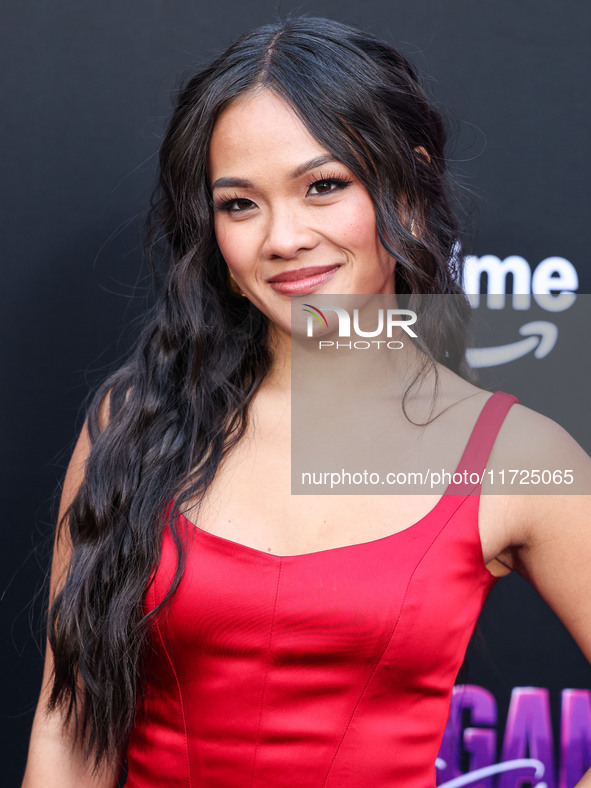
[(332, 668)]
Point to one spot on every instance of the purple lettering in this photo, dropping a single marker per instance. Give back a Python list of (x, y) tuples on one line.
[(575, 736), (480, 743), (528, 733)]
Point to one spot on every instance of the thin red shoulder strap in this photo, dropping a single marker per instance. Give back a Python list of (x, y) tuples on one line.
[(483, 436)]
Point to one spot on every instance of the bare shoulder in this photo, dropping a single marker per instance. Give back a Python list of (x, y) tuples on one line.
[(528, 441), (536, 491)]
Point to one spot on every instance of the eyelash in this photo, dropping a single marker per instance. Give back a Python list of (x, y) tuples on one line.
[(224, 203), (334, 179)]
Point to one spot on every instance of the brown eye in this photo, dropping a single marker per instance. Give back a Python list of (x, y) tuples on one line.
[(239, 205), (233, 205), (327, 186), (323, 186)]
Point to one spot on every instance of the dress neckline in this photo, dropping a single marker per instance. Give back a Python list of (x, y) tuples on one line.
[(231, 544), (453, 500)]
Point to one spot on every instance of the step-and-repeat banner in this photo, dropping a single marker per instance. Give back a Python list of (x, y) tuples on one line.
[(87, 96)]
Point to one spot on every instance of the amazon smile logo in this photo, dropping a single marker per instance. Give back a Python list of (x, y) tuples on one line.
[(540, 338), (551, 285)]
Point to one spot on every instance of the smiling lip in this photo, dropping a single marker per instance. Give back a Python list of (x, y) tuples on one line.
[(302, 281)]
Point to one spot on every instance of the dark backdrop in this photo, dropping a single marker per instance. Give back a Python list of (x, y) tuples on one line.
[(85, 94)]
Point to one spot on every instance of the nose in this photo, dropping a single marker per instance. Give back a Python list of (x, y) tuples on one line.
[(287, 233)]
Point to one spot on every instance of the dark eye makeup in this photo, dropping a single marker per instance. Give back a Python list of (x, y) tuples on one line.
[(233, 204), (328, 185), (324, 185)]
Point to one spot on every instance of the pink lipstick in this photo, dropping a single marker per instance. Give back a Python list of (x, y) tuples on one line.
[(302, 281)]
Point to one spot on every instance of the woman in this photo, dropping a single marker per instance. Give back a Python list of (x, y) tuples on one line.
[(205, 623)]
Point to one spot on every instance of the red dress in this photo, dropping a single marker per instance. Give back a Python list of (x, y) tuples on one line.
[(332, 668)]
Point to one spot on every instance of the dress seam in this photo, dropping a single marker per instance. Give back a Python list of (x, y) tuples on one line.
[(256, 746), (392, 633), (178, 684)]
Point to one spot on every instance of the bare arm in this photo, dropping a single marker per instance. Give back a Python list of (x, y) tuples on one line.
[(51, 762), (550, 535), (556, 560)]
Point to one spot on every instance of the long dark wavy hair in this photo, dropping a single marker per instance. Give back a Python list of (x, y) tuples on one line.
[(181, 400)]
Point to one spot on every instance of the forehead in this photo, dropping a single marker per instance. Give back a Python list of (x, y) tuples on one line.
[(259, 130)]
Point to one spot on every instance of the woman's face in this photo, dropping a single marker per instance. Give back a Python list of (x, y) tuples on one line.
[(289, 218)]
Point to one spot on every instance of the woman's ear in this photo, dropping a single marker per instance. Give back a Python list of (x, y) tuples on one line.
[(421, 153)]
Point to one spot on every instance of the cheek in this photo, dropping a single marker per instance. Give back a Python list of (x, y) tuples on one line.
[(357, 226), (238, 242), (227, 242)]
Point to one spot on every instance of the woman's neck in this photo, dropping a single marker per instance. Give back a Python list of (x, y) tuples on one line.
[(385, 367)]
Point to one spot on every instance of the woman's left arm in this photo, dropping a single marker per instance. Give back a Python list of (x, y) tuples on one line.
[(555, 557), (552, 532)]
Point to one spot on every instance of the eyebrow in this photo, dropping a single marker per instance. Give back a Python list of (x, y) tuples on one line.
[(301, 169)]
